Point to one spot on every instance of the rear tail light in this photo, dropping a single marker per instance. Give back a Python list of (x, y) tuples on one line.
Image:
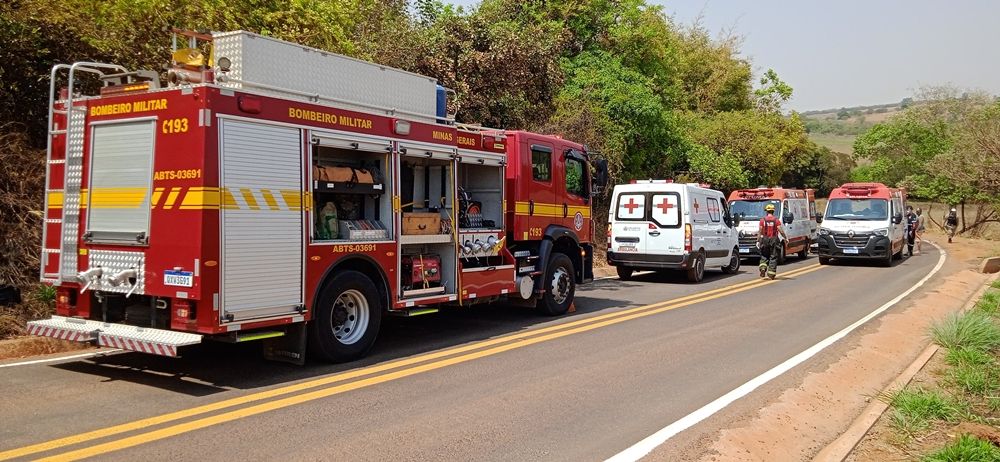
[(688, 244), (608, 236)]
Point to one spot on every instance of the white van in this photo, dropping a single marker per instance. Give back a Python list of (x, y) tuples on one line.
[(660, 225), (863, 221)]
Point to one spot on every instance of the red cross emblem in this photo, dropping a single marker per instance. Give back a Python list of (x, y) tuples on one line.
[(665, 206), (696, 206), (631, 206)]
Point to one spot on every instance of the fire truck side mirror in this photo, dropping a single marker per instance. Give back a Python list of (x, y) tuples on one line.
[(601, 177)]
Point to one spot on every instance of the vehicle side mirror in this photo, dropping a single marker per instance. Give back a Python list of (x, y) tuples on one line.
[(601, 177), (788, 218), (819, 218), (898, 218), (736, 220)]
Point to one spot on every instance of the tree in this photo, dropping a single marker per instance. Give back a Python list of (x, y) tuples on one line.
[(773, 92)]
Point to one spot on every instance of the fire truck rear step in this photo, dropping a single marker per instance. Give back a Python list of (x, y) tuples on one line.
[(142, 339)]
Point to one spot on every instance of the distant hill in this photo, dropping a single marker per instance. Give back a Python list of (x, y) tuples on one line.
[(838, 128)]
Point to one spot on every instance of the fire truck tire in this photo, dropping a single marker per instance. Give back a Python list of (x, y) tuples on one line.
[(559, 284), (697, 271), (347, 318), (624, 273), (734, 263)]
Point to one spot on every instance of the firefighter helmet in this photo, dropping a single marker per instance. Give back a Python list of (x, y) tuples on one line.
[(769, 208)]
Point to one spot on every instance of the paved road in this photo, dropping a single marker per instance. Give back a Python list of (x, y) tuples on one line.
[(490, 383)]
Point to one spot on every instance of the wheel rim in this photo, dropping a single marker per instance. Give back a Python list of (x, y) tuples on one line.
[(560, 285), (700, 266), (734, 263), (350, 317)]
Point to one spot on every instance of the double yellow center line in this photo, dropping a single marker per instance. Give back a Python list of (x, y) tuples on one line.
[(395, 370)]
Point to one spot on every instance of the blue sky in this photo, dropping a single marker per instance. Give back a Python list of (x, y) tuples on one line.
[(857, 52)]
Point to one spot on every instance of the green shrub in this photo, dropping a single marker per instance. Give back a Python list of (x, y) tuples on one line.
[(979, 380), (966, 448), (915, 408), (995, 284), (974, 330), (990, 303), (964, 356), (45, 294)]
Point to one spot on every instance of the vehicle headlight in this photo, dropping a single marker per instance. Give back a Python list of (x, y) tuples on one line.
[(824, 232), (881, 232)]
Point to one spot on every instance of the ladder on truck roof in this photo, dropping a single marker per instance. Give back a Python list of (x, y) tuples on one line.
[(63, 191)]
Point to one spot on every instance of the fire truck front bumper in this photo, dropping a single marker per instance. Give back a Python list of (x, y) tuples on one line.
[(142, 339), (648, 261), (873, 247)]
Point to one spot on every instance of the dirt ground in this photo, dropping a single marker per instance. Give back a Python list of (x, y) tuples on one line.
[(23, 347), (803, 420)]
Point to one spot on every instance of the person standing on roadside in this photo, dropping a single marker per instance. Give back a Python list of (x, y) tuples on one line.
[(921, 226), (951, 223), (768, 242), (911, 229)]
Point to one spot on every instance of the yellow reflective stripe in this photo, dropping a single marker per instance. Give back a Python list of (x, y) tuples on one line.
[(228, 201), (248, 196), (293, 198), (55, 200), (156, 197), (549, 210), (199, 198), (172, 197), (269, 198), (117, 197)]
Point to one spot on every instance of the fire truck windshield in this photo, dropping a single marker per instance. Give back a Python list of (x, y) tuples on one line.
[(753, 210), (857, 209)]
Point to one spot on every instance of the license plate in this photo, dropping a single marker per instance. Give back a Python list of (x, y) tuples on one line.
[(178, 278), (627, 248), (851, 251), (744, 250)]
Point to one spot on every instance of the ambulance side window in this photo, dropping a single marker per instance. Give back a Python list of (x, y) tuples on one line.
[(714, 210), (541, 163)]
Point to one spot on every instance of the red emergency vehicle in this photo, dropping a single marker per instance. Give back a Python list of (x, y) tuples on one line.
[(863, 220), (274, 191), (795, 207)]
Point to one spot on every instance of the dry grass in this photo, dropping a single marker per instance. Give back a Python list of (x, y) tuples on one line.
[(21, 191)]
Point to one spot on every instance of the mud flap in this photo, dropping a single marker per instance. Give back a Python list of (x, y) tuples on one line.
[(289, 348)]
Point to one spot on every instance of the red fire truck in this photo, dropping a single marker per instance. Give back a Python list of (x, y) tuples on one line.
[(270, 191)]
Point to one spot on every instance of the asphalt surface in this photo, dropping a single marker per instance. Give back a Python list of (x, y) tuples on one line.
[(485, 383)]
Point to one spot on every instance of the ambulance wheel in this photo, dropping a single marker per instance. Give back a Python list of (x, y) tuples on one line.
[(781, 255), (824, 260), (887, 260), (346, 319), (560, 286), (697, 271), (804, 253), (625, 274), (734, 263)]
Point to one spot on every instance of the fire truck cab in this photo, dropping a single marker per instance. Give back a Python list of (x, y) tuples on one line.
[(794, 207), (273, 191), (863, 220)]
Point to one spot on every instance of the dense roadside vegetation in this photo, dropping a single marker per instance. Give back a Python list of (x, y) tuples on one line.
[(945, 148), (964, 398), (657, 99)]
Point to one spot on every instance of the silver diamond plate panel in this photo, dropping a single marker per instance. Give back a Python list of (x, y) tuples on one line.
[(71, 193), (67, 324), (277, 63), (145, 334), (113, 261)]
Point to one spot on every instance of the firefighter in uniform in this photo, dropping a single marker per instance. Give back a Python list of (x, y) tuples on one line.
[(768, 242)]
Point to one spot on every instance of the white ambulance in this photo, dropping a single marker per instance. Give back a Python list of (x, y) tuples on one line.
[(660, 225)]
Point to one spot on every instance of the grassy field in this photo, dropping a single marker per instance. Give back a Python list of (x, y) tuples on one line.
[(838, 143)]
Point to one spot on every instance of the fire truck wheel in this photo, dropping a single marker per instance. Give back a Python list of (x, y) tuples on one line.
[(734, 263), (347, 318), (560, 286), (697, 271), (624, 273)]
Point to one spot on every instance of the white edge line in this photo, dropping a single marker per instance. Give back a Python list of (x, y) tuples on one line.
[(651, 442), (61, 358)]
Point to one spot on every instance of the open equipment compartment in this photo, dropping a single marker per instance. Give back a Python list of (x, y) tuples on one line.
[(427, 256), (349, 188)]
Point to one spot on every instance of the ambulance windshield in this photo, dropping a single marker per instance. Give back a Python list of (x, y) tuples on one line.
[(857, 209), (753, 210)]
